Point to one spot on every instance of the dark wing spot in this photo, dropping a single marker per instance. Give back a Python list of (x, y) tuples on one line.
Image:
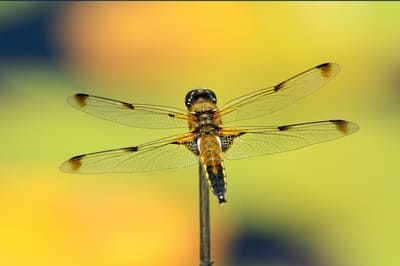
[(75, 162), (131, 149), (80, 99), (128, 105), (283, 128), (325, 69), (279, 86), (341, 125), (171, 115)]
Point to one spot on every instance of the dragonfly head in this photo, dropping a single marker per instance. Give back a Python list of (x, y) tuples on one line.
[(200, 95)]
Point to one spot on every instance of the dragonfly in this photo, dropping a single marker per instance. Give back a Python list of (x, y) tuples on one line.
[(208, 140)]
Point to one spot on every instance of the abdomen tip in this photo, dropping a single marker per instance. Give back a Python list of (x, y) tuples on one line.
[(221, 199)]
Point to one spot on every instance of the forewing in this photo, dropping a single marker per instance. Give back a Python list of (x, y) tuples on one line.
[(173, 152), (256, 141), (277, 97), (137, 115)]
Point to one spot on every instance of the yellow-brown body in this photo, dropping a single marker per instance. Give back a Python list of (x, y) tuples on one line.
[(205, 124)]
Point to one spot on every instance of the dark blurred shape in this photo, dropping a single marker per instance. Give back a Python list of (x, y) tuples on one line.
[(260, 248), (31, 37)]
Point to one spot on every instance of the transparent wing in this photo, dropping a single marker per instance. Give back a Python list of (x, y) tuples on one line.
[(256, 141), (166, 153), (137, 115), (274, 98)]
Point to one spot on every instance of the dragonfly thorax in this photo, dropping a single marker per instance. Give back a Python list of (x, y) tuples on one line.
[(201, 104), (207, 129), (204, 122)]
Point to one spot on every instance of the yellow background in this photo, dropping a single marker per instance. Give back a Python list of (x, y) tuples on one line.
[(340, 199)]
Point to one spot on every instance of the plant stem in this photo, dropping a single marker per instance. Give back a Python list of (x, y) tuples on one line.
[(205, 250)]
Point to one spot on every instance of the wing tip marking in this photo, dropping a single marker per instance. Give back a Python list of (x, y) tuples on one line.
[(344, 126), (80, 99), (328, 69), (73, 164)]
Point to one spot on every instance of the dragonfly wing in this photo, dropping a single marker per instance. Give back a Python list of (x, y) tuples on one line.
[(269, 100), (172, 152), (255, 141), (137, 115)]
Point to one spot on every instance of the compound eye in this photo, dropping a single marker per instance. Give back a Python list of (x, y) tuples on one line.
[(189, 98), (214, 98), (211, 96)]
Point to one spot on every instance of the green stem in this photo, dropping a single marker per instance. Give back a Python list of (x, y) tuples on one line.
[(205, 250)]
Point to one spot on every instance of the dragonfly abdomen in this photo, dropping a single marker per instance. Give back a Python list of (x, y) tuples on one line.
[(213, 165)]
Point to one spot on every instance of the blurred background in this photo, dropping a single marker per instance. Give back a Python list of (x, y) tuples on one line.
[(331, 204)]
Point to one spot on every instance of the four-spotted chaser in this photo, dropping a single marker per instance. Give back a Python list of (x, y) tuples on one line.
[(208, 140)]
